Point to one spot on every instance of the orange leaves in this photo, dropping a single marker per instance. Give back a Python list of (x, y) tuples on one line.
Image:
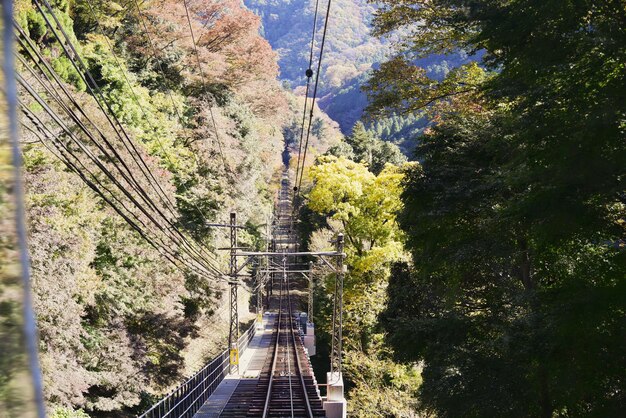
[(228, 48)]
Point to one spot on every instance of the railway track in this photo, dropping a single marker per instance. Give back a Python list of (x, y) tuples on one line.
[(286, 385)]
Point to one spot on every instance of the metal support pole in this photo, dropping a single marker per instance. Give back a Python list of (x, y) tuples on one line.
[(29, 330), (335, 354), (233, 335), (310, 301), (270, 290), (259, 294)]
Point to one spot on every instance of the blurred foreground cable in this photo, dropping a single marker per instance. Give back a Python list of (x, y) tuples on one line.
[(30, 326)]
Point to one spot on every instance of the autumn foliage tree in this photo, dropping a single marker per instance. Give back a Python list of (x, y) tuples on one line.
[(363, 206), (119, 324)]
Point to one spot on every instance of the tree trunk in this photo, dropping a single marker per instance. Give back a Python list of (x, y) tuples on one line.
[(545, 405), (525, 273)]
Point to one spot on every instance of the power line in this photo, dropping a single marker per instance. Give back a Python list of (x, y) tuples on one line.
[(96, 92), (309, 74), (114, 201), (136, 98), (42, 127), (54, 95), (99, 93), (317, 79), (130, 180)]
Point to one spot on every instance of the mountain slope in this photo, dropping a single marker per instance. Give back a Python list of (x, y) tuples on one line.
[(349, 55), (349, 51)]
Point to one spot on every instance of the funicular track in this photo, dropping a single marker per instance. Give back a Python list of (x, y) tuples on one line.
[(286, 385)]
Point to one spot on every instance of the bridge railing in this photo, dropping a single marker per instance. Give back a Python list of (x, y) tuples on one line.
[(185, 400)]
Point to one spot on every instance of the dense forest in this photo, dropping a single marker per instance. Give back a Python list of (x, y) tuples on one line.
[(500, 290), (514, 295), (118, 324), (473, 155)]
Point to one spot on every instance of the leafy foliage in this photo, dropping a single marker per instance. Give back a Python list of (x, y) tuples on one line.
[(363, 206), (118, 324), (364, 147), (515, 218)]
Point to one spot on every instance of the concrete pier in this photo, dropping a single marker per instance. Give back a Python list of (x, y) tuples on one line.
[(335, 404)]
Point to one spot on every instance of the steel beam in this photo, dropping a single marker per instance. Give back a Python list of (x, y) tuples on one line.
[(290, 254), (233, 334), (310, 298), (335, 352)]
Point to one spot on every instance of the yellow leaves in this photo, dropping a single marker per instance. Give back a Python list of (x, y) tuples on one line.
[(365, 206), (379, 256), (382, 388), (337, 183), (115, 6)]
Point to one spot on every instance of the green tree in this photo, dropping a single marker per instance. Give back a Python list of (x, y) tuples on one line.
[(384, 153), (362, 142), (363, 206), (363, 146), (516, 219)]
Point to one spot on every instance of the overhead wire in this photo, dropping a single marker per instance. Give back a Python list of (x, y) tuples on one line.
[(141, 107), (95, 90), (153, 239), (126, 215), (60, 153), (128, 179), (54, 94), (99, 93), (309, 74), (317, 79)]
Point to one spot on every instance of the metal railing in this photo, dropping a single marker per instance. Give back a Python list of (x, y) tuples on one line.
[(185, 400)]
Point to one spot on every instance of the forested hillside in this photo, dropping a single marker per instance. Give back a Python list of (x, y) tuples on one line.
[(351, 53), (118, 323), (350, 50)]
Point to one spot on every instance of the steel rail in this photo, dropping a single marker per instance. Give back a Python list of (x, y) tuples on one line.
[(268, 397), (290, 342), (290, 325), (293, 337)]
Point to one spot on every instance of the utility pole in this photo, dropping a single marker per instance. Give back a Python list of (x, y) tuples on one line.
[(335, 353), (233, 335), (270, 283), (310, 301), (259, 295)]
